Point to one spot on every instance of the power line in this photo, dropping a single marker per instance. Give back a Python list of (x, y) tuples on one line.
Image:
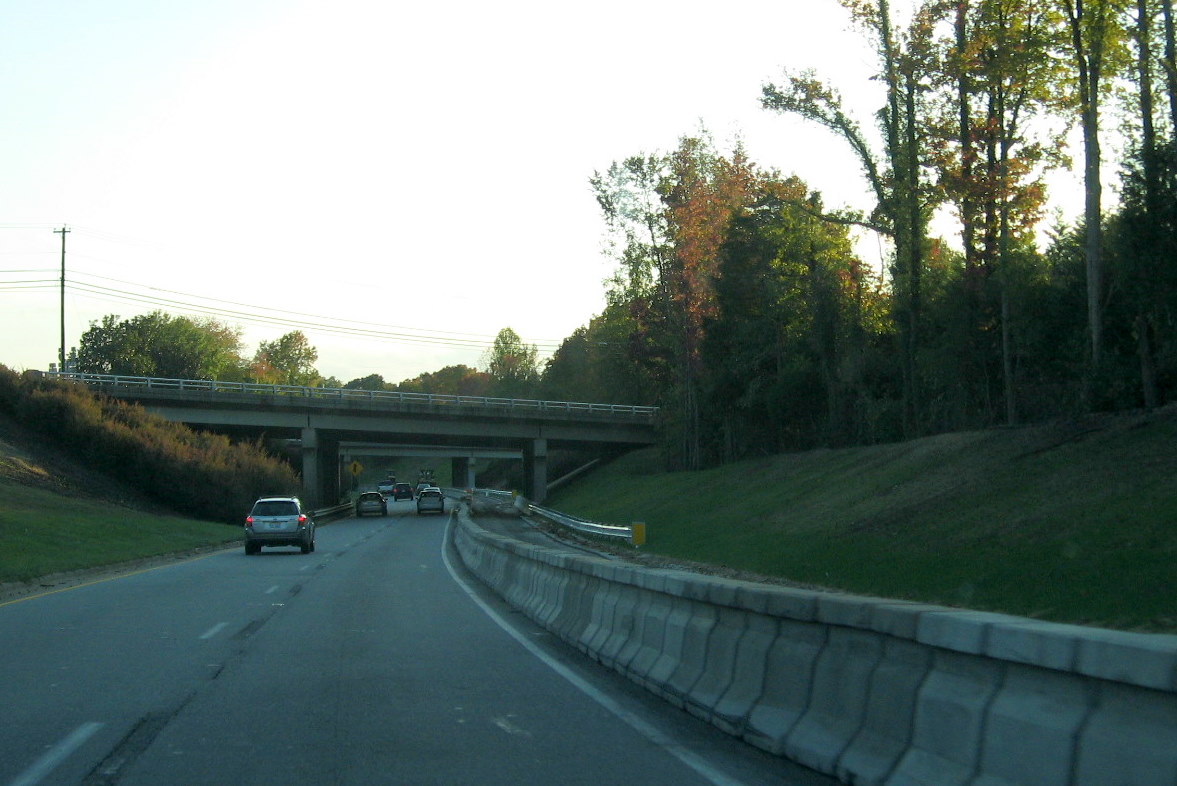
[(253, 308), (232, 310), (280, 319)]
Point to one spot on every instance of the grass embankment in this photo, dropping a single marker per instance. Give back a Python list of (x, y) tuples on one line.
[(1074, 522), (87, 481), (48, 532)]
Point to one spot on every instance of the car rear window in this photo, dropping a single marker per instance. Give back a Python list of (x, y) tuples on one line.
[(275, 507), (371, 495)]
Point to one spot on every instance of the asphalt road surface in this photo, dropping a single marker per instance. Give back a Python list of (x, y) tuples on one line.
[(377, 659)]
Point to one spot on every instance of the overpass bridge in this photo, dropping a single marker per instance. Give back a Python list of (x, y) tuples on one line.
[(332, 421)]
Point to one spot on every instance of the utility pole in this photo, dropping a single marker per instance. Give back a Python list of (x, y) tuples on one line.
[(61, 358)]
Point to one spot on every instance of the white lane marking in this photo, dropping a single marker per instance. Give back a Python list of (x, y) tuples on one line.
[(56, 755), (672, 746), (506, 725), (272, 590), (214, 630)]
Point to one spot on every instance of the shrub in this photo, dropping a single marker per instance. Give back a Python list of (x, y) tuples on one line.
[(199, 474)]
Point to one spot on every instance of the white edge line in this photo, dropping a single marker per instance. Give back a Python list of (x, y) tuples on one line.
[(56, 755), (664, 741)]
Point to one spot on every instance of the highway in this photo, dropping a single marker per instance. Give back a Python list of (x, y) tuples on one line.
[(376, 659)]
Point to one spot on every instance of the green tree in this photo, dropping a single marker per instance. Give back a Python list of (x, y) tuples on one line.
[(786, 349), (456, 380), (513, 366), (160, 345), (1096, 39), (904, 194), (595, 363), (370, 382), (289, 360), (999, 81)]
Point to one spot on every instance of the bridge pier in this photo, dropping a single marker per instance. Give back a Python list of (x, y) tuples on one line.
[(320, 469), (535, 469), (462, 472)]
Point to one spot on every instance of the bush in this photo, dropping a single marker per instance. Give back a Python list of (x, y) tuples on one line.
[(199, 474)]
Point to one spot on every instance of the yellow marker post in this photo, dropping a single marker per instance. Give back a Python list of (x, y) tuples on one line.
[(638, 533)]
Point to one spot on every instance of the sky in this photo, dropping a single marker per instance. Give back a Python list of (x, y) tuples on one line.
[(398, 180)]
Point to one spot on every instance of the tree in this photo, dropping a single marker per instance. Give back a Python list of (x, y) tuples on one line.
[(999, 81), (784, 352), (289, 360), (668, 216), (457, 380), (513, 366), (370, 382), (160, 345), (903, 195), (1095, 42), (596, 364)]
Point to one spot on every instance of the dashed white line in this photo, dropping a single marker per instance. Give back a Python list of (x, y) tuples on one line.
[(56, 755), (272, 590), (214, 630)]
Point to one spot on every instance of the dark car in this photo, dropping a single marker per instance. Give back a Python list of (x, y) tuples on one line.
[(402, 491), (371, 502), (279, 521)]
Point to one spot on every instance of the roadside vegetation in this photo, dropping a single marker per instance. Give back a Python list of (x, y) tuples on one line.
[(196, 473), (1072, 522), (46, 532)]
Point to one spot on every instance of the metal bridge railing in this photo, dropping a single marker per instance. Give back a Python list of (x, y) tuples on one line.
[(521, 406)]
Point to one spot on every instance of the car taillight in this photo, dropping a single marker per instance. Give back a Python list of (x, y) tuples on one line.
[(249, 521), (302, 518)]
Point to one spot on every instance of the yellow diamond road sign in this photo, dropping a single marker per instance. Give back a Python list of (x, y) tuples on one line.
[(355, 468)]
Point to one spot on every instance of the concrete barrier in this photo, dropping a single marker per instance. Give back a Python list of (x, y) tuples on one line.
[(871, 690)]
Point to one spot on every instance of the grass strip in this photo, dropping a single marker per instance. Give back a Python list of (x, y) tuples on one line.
[(43, 532)]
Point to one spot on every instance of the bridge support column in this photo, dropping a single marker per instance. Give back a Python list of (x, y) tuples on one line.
[(320, 469), (462, 472), (535, 470), (310, 468)]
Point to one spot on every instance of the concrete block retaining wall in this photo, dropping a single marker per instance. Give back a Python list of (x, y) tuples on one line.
[(870, 690)]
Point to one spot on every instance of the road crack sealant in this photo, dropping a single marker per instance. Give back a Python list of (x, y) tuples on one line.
[(137, 740)]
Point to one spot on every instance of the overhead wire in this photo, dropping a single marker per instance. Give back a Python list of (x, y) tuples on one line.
[(261, 315), (228, 309)]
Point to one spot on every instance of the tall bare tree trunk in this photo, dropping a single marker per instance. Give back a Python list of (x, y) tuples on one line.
[(1088, 62), (1170, 60), (1148, 157)]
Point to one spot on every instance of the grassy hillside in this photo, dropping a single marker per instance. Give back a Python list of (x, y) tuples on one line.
[(1073, 522), (60, 515)]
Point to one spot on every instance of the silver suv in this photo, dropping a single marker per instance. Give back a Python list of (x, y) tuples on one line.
[(279, 521)]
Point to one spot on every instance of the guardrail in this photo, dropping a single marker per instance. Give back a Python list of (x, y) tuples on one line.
[(331, 512), (632, 411), (582, 525), (564, 519)]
